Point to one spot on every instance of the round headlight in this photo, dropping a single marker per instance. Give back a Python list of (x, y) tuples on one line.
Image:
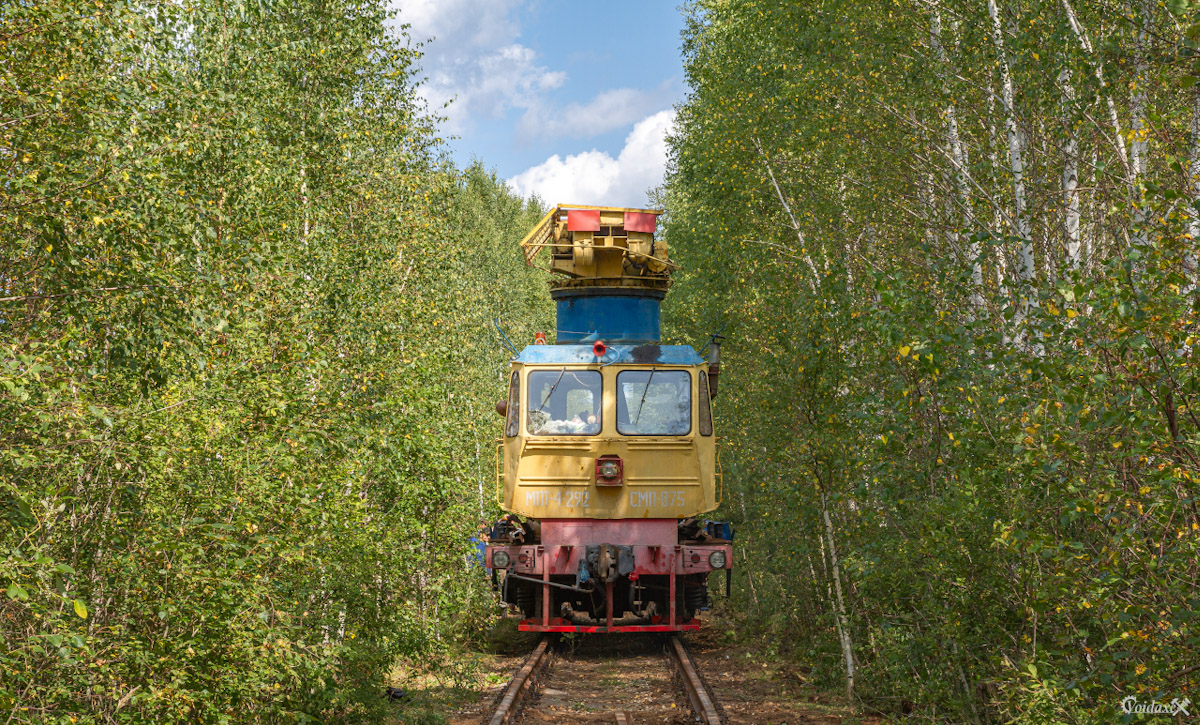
[(501, 559), (717, 560), (609, 469)]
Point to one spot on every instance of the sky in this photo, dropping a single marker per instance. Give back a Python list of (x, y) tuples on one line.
[(567, 99)]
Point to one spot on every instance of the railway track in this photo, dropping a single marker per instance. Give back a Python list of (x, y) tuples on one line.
[(525, 683), (700, 697), (531, 677)]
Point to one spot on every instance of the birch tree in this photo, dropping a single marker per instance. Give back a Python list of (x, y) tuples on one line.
[(957, 154), (1139, 147), (1070, 174), (1020, 214), (1190, 265)]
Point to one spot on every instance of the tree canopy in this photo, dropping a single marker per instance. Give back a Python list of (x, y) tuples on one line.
[(954, 245), (244, 311)]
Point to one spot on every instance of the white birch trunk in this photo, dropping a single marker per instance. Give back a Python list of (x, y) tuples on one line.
[(958, 159), (1025, 261), (927, 198), (1137, 101), (843, 626), (304, 200), (812, 572), (1137, 111), (1070, 176), (816, 277), (1051, 257), (1189, 256), (846, 221), (1092, 247), (1098, 71), (1001, 263)]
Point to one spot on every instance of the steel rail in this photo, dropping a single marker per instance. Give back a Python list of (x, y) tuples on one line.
[(704, 705), (522, 682)]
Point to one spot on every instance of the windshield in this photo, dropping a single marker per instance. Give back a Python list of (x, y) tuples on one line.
[(654, 402), (564, 402)]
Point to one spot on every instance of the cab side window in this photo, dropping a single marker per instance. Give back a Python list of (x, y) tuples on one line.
[(705, 406), (513, 423)]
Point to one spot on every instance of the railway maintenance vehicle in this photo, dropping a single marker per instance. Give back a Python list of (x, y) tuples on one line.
[(609, 460)]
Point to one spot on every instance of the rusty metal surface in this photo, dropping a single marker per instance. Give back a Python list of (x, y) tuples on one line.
[(523, 683), (704, 705)]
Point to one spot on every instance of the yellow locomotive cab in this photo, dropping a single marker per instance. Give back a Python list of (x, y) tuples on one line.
[(653, 421)]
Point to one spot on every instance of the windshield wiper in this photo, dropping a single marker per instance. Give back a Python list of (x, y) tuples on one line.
[(643, 400), (552, 388)]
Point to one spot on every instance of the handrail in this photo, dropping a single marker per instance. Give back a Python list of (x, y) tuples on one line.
[(544, 227), (719, 472), (499, 472)]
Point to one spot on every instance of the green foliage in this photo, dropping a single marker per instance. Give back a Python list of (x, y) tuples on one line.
[(245, 368), (1009, 465)]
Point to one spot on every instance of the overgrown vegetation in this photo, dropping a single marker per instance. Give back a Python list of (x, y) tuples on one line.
[(246, 360), (247, 372), (955, 246)]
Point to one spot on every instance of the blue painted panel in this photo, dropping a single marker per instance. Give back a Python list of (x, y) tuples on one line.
[(612, 318), (620, 354)]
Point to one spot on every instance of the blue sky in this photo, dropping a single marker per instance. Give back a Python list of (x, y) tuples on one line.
[(566, 99)]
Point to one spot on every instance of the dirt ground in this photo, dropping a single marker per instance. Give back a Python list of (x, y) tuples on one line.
[(756, 691), (593, 677)]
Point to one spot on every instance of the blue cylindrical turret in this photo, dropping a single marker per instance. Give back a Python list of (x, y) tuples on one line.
[(612, 314)]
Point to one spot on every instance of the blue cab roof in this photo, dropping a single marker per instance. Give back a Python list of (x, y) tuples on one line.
[(620, 354)]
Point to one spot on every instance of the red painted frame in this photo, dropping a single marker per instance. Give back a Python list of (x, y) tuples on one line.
[(656, 552), (561, 625)]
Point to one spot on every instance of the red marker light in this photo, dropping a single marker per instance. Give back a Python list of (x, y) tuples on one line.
[(539, 338), (599, 348)]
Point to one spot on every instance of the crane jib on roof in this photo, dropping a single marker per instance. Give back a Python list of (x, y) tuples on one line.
[(601, 246)]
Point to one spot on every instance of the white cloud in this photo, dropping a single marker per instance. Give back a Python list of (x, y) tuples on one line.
[(487, 86), (595, 177), (607, 111), (473, 59), (460, 24)]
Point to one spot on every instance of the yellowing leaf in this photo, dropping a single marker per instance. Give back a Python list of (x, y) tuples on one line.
[(80, 609), (904, 350)]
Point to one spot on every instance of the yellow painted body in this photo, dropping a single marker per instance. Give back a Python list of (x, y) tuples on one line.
[(554, 476)]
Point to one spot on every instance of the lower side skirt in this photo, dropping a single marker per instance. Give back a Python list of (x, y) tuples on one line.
[(558, 624)]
